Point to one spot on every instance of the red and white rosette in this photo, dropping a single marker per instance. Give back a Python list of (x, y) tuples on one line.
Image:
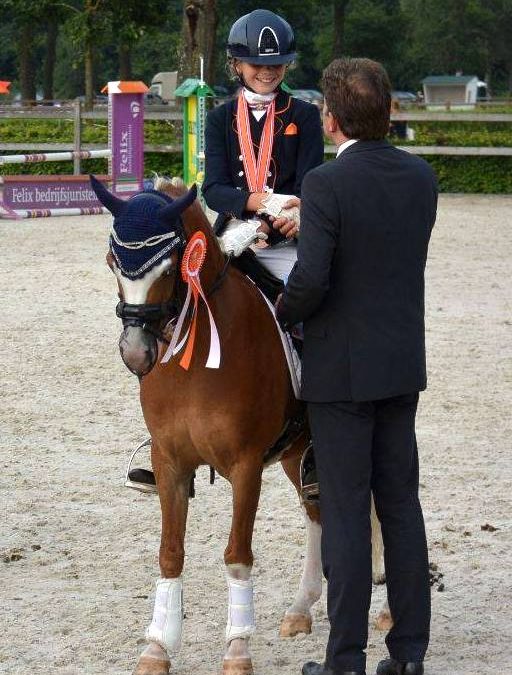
[(193, 259)]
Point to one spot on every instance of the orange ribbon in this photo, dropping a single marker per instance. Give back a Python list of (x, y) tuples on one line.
[(193, 259), (256, 172)]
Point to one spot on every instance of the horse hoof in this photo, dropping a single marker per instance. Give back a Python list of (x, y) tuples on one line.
[(237, 667), (293, 624), (384, 621), (153, 661)]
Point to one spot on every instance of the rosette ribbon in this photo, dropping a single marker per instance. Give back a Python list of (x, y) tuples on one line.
[(193, 259)]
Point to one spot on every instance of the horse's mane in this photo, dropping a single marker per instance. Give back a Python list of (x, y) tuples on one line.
[(174, 187)]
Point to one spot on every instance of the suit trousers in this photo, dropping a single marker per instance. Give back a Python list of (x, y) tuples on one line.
[(360, 448)]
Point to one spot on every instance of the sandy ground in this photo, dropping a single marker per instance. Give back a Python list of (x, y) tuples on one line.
[(79, 551)]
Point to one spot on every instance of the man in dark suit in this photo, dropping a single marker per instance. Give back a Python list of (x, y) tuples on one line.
[(358, 286)]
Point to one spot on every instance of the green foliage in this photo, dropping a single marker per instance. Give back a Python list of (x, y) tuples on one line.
[(492, 134), (93, 131), (374, 28), (486, 175), (156, 132), (491, 175)]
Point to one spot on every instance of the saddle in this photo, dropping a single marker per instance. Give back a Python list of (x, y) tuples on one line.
[(248, 264)]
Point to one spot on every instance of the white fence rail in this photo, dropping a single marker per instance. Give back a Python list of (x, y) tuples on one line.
[(74, 113)]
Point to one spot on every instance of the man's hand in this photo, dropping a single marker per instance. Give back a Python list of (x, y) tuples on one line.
[(293, 201), (286, 226)]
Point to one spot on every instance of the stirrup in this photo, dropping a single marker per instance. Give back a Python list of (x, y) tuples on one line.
[(133, 478), (309, 488)]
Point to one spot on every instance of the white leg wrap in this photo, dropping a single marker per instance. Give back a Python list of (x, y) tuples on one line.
[(241, 622), (166, 625), (310, 588)]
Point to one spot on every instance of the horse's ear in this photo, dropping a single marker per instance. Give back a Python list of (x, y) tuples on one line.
[(170, 213), (115, 205)]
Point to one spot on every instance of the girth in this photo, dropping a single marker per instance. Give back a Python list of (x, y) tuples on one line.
[(293, 428)]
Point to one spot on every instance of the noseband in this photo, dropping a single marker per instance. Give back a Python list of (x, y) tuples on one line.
[(148, 316)]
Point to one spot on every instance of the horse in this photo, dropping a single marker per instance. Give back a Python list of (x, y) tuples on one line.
[(226, 415)]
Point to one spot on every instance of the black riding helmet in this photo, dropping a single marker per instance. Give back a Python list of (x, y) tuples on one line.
[(262, 38)]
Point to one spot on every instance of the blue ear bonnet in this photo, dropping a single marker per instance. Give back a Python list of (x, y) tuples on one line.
[(146, 228), (140, 238)]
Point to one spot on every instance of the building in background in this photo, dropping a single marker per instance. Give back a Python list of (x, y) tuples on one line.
[(454, 91)]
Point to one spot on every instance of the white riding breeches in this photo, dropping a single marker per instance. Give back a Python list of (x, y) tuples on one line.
[(278, 259)]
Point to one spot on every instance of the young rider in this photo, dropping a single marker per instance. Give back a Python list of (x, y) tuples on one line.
[(263, 142), (258, 145)]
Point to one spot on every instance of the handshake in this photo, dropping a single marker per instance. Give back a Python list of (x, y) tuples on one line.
[(283, 212)]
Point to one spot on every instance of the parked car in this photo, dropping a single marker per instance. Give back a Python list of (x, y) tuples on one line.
[(150, 98), (309, 95), (404, 96), (222, 94), (99, 99)]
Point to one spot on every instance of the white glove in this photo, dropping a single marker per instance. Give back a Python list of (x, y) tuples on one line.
[(273, 206), (239, 235)]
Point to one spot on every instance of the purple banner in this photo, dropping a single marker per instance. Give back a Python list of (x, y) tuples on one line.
[(48, 194), (126, 132)]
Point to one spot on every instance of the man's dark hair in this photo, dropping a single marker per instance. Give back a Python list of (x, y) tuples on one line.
[(358, 94)]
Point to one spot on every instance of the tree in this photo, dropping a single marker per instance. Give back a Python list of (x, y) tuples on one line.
[(339, 10), (130, 20), (24, 15), (500, 44), (199, 38), (448, 37)]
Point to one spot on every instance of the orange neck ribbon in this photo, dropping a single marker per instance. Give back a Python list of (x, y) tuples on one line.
[(193, 259), (256, 171)]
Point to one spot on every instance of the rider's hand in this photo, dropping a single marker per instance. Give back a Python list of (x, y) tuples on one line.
[(255, 201), (261, 243), (263, 227)]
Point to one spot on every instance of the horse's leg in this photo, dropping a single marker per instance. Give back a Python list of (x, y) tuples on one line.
[(378, 572), (245, 478), (164, 632), (297, 618), (383, 620)]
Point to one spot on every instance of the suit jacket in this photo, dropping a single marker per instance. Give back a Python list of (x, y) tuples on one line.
[(298, 147), (358, 284)]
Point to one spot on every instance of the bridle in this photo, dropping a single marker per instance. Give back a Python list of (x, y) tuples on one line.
[(150, 316)]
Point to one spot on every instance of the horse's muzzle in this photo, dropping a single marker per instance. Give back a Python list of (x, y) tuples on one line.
[(139, 350)]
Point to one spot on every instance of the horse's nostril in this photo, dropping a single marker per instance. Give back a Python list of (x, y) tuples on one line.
[(138, 350)]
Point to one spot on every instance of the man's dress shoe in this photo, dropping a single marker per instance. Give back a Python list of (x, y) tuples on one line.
[(393, 667), (312, 668)]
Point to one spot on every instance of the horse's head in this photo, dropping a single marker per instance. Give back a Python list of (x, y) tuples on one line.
[(145, 242)]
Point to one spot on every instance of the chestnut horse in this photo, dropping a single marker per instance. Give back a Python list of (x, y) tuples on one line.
[(226, 417)]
